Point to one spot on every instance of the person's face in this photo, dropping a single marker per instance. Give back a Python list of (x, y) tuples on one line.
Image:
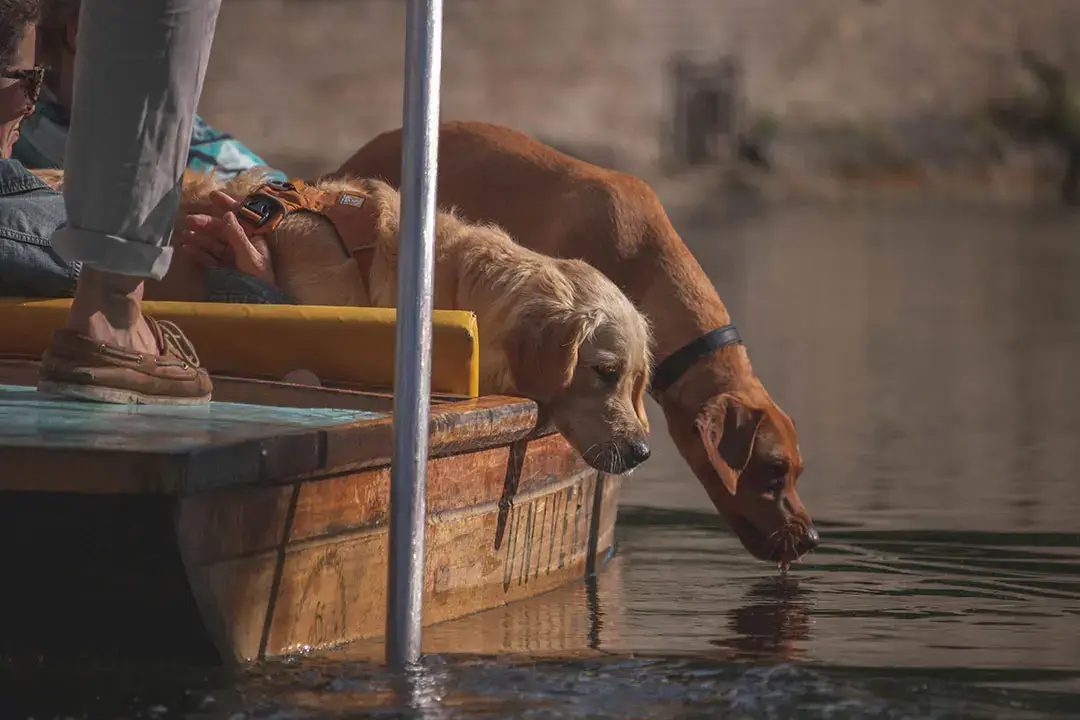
[(19, 85)]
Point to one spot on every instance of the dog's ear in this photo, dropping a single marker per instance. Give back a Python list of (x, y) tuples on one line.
[(543, 355), (728, 428), (640, 387)]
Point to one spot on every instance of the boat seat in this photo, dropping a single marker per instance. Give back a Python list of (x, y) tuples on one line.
[(338, 344)]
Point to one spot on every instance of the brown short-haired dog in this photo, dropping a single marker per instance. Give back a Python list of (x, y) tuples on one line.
[(740, 444)]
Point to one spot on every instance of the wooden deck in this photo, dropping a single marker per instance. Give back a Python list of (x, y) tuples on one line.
[(259, 432), (256, 526), (30, 419)]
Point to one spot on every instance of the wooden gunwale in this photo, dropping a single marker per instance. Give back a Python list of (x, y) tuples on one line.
[(456, 426)]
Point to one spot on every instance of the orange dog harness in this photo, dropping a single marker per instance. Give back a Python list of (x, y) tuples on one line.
[(352, 214)]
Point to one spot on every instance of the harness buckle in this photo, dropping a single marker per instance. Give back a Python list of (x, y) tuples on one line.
[(260, 209)]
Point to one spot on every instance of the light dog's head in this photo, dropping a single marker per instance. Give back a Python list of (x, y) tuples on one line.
[(572, 340), (580, 348)]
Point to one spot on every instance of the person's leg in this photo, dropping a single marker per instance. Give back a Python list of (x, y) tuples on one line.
[(138, 77)]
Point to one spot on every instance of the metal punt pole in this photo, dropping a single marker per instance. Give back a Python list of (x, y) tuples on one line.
[(412, 376)]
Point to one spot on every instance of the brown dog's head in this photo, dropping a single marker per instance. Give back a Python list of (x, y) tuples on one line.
[(744, 450), (580, 348)]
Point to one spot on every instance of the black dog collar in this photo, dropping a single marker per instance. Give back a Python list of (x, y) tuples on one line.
[(675, 365)]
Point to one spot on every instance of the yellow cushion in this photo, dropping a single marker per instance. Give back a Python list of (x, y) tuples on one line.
[(341, 344)]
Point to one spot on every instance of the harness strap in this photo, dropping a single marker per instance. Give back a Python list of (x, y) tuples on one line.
[(352, 214), (674, 366)]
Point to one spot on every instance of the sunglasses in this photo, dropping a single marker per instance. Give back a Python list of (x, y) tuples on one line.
[(31, 78)]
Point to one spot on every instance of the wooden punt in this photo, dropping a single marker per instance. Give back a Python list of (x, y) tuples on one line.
[(256, 527)]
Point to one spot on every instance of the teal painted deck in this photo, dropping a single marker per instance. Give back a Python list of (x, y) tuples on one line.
[(29, 419)]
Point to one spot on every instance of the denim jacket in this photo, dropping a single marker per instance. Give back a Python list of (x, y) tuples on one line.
[(30, 211)]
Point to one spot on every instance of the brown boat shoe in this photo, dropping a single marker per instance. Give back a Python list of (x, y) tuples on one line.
[(79, 367)]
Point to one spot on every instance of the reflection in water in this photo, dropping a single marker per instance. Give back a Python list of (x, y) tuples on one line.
[(421, 688), (929, 356), (596, 613), (771, 624)]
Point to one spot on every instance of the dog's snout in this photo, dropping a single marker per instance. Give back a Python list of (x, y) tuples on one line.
[(639, 451), (810, 540)]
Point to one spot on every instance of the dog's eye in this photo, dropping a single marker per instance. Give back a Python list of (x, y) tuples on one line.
[(776, 486), (607, 374)]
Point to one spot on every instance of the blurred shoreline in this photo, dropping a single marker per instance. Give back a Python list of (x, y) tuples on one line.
[(844, 98)]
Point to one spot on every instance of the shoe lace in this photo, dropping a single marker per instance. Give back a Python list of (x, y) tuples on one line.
[(173, 339)]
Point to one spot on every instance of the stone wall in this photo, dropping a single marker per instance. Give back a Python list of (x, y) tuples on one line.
[(306, 82)]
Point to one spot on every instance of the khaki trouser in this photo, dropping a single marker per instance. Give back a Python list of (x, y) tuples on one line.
[(138, 76)]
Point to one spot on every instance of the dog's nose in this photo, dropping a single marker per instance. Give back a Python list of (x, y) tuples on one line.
[(639, 451), (810, 540)]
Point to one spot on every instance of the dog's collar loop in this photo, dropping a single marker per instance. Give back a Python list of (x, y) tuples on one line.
[(667, 372)]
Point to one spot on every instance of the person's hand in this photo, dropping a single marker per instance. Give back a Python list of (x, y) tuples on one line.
[(222, 242)]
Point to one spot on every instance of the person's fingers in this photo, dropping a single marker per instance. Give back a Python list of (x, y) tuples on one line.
[(249, 257), (223, 203), (190, 235), (200, 256), (205, 223), (237, 237), (211, 244)]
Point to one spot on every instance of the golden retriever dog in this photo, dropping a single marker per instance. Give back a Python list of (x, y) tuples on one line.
[(553, 330), (739, 443)]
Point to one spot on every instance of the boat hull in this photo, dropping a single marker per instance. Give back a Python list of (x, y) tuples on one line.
[(261, 545), (308, 569)]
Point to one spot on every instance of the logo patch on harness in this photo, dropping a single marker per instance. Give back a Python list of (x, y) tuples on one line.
[(350, 199)]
